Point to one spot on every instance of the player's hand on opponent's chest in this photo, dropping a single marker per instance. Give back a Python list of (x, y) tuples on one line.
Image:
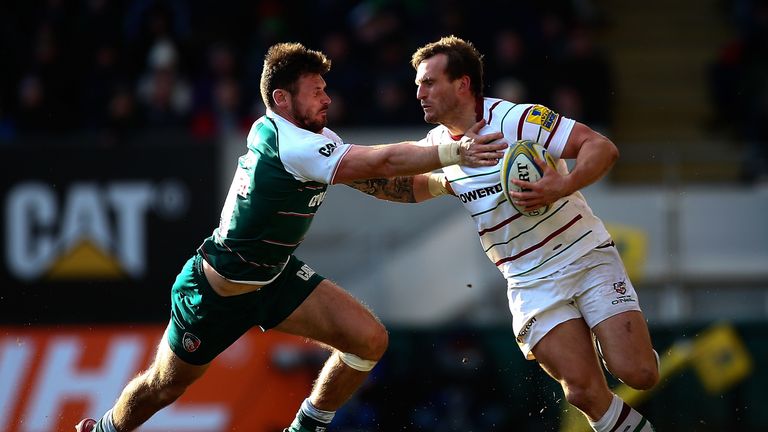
[(481, 150)]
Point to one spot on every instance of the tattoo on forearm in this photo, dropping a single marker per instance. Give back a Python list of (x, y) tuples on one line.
[(398, 189)]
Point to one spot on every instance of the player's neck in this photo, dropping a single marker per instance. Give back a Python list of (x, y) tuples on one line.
[(462, 119)]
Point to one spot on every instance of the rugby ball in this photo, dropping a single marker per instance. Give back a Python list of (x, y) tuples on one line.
[(518, 163)]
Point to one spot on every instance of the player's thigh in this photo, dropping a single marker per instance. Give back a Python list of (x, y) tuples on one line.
[(566, 353), (625, 341), (168, 370), (332, 316)]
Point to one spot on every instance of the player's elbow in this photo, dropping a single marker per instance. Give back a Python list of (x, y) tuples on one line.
[(388, 168)]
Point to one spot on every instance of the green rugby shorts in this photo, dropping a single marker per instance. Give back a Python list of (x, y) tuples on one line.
[(203, 324)]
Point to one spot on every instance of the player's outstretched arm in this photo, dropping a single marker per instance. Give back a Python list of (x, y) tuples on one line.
[(408, 158), (405, 189)]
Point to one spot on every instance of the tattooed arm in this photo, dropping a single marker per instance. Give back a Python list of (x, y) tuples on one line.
[(410, 189)]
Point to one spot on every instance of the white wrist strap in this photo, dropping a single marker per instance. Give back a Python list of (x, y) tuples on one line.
[(436, 185), (449, 153)]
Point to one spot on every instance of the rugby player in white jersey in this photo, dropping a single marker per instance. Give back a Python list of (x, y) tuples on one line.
[(246, 275), (565, 279)]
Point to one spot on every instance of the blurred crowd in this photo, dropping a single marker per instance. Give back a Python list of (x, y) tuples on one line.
[(739, 84), (112, 67), (109, 69)]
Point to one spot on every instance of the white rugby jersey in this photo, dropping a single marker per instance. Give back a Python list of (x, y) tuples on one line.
[(523, 247)]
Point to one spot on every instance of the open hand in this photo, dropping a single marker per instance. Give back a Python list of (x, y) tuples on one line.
[(481, 150)]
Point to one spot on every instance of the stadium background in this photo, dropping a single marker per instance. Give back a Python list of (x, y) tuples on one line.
[(120, 122)]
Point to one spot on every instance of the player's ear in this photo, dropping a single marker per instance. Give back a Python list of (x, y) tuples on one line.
[(280, 97), (464, 83)]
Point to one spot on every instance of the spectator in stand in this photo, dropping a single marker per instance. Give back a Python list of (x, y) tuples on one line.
[(585, 72), (165, 98), (739, 87), (83, 55)]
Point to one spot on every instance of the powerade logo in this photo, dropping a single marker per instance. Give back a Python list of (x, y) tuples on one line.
[(90, 230), (480, 193)]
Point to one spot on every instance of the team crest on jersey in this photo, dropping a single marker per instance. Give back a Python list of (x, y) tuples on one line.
[(620, 287), (543, 117), (191, 342)]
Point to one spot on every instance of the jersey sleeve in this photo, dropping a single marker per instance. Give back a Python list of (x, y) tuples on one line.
[(434, 137), (539, 124), (315, 157)]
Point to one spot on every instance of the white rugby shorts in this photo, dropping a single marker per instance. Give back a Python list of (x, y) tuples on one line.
[(594, 287)]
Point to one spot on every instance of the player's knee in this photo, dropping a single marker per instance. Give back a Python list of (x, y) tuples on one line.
[(581, 394), (643, 377), (377, 342), (370, 341)]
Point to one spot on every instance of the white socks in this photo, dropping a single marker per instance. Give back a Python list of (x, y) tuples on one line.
[(621, 417), (106, 423), (317, 414)]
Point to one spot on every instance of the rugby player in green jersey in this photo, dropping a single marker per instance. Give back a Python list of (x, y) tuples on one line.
[(245, 273)]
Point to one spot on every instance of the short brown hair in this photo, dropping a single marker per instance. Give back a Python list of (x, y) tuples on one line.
[(463, 59), (285, 63)]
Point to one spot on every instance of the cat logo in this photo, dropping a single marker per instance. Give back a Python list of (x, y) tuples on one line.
[(316, 200), (305, 272), (96, 231), (328, 149)]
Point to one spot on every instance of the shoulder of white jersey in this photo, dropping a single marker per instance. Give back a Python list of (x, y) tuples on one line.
[(538, 123), (435, 136), (332, 135), (310, 156), (499, 112)]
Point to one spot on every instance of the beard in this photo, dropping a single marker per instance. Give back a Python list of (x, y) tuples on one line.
[(314, 123)]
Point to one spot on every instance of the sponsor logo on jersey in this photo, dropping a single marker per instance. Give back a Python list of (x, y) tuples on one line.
[(525, 330), (542, 116), (328, 149), (85, 230), (623, 299), (305, 272), (191, 342), (480, 193), (316, 200)]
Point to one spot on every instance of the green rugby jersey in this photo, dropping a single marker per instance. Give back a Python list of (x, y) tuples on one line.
[(278, 187)]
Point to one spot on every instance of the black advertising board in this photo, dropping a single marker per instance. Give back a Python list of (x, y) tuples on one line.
[(98, 235)]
